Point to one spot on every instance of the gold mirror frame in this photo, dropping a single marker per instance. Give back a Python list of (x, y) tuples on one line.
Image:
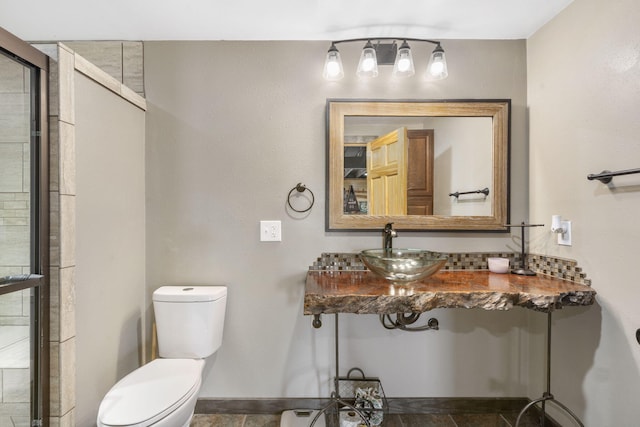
[(497, 110)]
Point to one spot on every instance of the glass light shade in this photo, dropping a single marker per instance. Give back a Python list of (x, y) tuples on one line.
[(403, 67), (437, 67), (333, 65), (368, 65)]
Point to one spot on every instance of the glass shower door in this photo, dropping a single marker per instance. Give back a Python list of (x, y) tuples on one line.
[(22, 279)]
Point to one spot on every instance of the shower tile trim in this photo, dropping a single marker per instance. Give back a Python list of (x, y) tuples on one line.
[(111, 83)]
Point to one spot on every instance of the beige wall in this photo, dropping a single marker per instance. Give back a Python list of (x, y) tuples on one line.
[(231, 128), (584, 102), (110, 238)]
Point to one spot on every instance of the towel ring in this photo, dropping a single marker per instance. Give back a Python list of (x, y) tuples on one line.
[(300, 188)]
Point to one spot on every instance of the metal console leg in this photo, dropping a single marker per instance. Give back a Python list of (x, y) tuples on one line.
[(547, 396), (335, 396)]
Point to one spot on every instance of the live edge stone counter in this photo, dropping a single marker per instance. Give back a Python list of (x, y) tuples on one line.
[(362, 292)]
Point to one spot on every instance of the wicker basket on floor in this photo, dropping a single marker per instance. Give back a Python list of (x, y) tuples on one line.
[(365, 393)]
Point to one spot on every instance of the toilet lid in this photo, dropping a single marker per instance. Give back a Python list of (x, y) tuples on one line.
[(151, 392)]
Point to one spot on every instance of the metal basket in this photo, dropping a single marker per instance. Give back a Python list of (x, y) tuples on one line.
[(351, 389)]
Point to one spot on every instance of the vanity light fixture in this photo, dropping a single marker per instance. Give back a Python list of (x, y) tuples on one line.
[(386, 54)]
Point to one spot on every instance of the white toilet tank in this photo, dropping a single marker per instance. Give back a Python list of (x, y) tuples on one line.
[(189, 320)]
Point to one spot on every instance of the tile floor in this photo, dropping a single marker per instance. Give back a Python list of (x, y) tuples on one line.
[(14, 376), (391, 420)]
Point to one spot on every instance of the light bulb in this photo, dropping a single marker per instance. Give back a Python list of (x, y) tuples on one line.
[(404, 64), (333, 69), (436, 68), (368, 63)]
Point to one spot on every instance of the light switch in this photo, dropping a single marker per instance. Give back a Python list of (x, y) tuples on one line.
[(270, 231)]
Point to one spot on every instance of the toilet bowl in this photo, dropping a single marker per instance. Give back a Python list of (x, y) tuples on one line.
[(160, 393), (163, 393)]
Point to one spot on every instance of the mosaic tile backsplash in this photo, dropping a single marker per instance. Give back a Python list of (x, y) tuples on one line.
[(551, 266)]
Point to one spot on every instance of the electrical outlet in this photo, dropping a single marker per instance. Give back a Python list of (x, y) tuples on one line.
[(270, 231), (565, 238)]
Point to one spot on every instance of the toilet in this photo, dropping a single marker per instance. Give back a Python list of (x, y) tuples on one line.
[(163, 393)]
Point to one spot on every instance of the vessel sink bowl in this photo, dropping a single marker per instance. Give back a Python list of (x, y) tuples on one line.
[(403, 265)]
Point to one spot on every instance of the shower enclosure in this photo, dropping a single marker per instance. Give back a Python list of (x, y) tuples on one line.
[(24, 232)]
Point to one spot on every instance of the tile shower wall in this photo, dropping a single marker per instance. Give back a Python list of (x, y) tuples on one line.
[(14, 168), (14, 241)]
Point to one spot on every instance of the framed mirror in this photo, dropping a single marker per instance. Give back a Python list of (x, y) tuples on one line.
[(422, 165)]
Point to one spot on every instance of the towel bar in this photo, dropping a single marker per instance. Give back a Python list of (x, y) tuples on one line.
[(606, 176)]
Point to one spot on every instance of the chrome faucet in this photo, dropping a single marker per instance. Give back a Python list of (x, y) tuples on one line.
[(387, 235)]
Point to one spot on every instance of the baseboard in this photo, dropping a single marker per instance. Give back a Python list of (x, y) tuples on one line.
[(455, 405), (257, 406), (397, 405)]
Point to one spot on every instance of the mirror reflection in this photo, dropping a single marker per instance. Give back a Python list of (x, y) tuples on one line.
[(423, 165), (444, 156)]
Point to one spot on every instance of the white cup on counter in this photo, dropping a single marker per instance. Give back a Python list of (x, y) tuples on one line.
[(498, 265)]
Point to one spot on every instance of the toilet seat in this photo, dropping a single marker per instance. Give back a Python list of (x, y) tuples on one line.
[(150, 393)]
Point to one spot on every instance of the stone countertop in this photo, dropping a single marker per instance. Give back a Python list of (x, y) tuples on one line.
[(363, 292)]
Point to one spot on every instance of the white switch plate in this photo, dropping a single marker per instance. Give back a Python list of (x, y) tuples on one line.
[(565, 238), (270, 231)]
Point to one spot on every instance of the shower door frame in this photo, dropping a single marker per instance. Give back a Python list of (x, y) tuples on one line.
[(38, 280)]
